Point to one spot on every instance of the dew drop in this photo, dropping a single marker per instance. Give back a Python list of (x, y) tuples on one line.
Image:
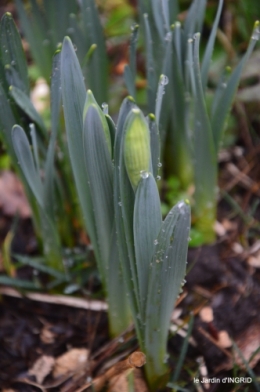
[(155, 242), (144, 174), (164, 80), (159, 164), (158, 178), (168, 36), (105, 107), (157, 261)]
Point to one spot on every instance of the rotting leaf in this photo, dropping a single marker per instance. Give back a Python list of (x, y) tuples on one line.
[(72, 360), (42, 368)]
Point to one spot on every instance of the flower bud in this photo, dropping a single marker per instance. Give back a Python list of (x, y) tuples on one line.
[(137, 153)]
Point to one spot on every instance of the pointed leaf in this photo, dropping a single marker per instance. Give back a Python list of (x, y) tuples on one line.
[(25, 159), (73, 97), (13, 53), (100, 175), (147, 223), (154, 143), (221, 110), (166, 275), (55, 112), (26, 105), (210, 46), (129, 80)]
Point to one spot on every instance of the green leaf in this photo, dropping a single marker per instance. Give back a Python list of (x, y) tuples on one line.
[(23, 284), (100, 175), (74, 97), (7, 121), (150, 66), (119, 312), (222, 108), (57, 15), (129, 80), (23, 151), (97, 72), (166, 275), (112, 131), (132, 51), (37, 263), (35, 32), (158, 17), (147, 223), (23, 101), (194, 19), (136, 146), (121, 182), (205, 157), (210, 46), (49, 169), (154, 143), (12, 52)]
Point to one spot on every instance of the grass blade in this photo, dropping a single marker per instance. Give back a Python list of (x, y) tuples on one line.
[(23, 284), (37, 263), (183, 351)]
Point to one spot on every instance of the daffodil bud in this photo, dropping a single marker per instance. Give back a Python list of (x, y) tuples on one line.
[(137, 152), (90, 101)]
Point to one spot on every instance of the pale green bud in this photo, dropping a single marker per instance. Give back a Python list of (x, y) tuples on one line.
[(137, 147)]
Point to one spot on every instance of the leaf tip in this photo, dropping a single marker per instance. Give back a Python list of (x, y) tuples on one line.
[(130, 98)]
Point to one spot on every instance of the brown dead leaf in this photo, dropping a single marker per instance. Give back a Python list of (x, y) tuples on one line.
[(70, 361), (46, 335), (120, 383), (8, 390), (12, 196), (206, 314), (42, 367), (117, 374), (254, 261), (224, 339), (248, 342)]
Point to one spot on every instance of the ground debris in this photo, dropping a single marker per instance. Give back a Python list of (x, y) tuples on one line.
[(71, 361), (12, 196), (42, 368)]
